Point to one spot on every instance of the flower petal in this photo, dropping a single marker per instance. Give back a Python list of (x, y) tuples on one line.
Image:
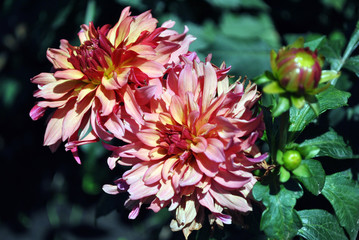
[(149, 137), (215, 150), (209, 86), (176, 109)]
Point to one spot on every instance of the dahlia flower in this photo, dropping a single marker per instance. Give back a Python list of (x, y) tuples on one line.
[(195, 150), (93, 85)]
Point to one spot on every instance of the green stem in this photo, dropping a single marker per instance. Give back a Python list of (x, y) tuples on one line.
[(283, 130), (352, 45)]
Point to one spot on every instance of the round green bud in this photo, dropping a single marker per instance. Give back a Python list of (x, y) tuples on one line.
[(291, 159)]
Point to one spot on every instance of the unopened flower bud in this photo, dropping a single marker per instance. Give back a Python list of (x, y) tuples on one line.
[(298, 70)]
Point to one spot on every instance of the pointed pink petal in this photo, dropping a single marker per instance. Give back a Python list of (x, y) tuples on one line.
[(114, 32), (192, 176), (156, 205), (85, 91), (149, 137), (144, 94), (43, 78), (69, 74), (229, 200), (166, 191), (56, 90), (215, 150), (168, 166), (207, 201), (139, 190), (135, 174), (230, 181), (117, 81), (176, 109), (134, 212), (142, 49), (37, 112), (143, 22), (153, 173), (199, 144), (226, 219), (96, 122), (152, 69), (225, 128), (74, 117), (157, 153), (107, 99), (110, 189), (205, 117), (53, 104), (183, 49), (209, 86), (131, 106), (186, 81), (115, 125), (75, 154), (205, 129), (58, 57), (54, 127), (208, 167)]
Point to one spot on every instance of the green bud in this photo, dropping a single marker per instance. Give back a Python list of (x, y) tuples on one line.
[(291, 159)]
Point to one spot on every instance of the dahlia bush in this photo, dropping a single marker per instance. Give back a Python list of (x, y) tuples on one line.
[(185, 136)]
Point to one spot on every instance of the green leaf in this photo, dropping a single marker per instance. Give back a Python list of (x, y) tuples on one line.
[(315, 182), (309, 151), (273, 88), (302, 171), (247, 58), (352, 64), (281, 107), (331, 98), (328, 75), (279, 220), (252, 27), (318, 224), (298, 102), (284, 175), (331, 145), (257, 4), (90, 11), (314, 44), (343, 194), (133, 3), (353, 43), (225, 3), (336, 4), (9, 90)]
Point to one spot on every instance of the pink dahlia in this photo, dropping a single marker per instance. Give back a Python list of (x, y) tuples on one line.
[(195, 150), (93, 85)]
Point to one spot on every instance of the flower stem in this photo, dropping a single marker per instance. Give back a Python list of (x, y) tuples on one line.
[(283, 130)]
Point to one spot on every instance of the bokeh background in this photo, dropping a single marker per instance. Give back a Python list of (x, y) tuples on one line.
[(49, 196)]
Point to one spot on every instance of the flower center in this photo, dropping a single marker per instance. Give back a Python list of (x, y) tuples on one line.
[(176, 139), (92, 60)]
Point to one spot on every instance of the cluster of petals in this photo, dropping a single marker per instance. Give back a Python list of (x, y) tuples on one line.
[(93, 86), (195, 149)]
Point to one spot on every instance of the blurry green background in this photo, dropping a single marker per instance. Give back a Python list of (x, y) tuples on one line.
[(50, 196)]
